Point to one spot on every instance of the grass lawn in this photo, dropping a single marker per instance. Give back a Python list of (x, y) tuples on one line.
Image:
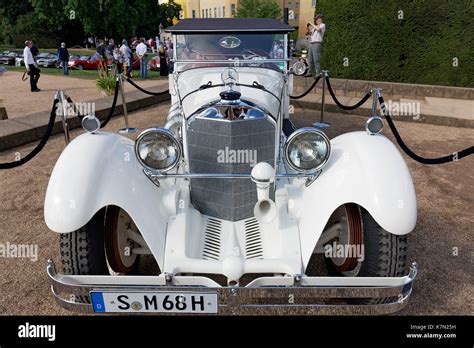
[(84, 74)]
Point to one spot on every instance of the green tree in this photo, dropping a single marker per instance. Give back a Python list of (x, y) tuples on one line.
[(258, 9), (50, 22)]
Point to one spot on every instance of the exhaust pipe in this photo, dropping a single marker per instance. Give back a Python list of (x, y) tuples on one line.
[(263, 175)]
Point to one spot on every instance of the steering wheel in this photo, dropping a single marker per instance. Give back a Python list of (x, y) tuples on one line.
[(254, 53)]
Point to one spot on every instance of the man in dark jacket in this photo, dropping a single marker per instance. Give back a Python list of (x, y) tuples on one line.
[(34, 49), (102, 52), (63, 56)]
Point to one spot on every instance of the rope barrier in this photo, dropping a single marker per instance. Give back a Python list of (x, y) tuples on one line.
[(112, 109), (144, 90), (40, 145), (445, 159), (345, 107), (309, 89)]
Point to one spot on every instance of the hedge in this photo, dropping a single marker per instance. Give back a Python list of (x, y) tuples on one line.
[(420, 48)]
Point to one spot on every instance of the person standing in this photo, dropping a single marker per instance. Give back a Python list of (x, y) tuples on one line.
[(63, 55), (127, 57), (152, 44), (34, 50), (31, 66), (110, 49), (316, 43), (102, 53), (142, 53), (163, 63)]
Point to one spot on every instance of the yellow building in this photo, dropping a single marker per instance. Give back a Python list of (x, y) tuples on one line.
[(301, 11), (211, 8)]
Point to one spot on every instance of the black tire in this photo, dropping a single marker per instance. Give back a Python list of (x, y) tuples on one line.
[(80, 67), (385, 255), (83, 252)]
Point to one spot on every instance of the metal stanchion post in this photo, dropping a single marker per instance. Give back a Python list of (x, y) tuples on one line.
[(321, 124), (375, 93), (63, 101), (127, 129)]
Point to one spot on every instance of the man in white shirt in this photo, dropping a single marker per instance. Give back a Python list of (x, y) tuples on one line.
[(126, 54), (315, 45), (31, 66), (142, 51)]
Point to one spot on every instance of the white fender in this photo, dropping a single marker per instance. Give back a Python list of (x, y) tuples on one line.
[(364, 169), (96, 170)]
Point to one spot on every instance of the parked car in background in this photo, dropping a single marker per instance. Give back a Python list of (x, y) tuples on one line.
[(84, 62), (154, 63), (47, 60), (9, 58), (19, 60)]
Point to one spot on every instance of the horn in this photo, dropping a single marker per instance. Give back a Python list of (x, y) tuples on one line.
[(263, 175), (265, 211)]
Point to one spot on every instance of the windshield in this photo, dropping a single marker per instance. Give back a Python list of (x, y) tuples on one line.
[(229, 46)]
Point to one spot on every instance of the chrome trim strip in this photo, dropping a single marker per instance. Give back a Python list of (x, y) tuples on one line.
[(156, 175), (263, 296)]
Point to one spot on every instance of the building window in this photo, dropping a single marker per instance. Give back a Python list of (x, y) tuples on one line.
[(194, 13), (215, 12), (202, 13), (313, 4), (207, 13), (289, 4), (232, 10), (223, 11)]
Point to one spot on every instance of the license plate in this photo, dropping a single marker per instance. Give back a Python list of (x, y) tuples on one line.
[(154, 302)]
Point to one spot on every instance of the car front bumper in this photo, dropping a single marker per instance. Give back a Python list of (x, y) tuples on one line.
[(298, 295)]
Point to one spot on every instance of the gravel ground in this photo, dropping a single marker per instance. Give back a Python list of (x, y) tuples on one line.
[(445, 205)]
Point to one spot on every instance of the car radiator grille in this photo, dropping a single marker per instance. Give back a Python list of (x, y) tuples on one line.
[(214, 242), (220, 146)]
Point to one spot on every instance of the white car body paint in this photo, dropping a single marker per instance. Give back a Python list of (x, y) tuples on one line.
[(97, 170)]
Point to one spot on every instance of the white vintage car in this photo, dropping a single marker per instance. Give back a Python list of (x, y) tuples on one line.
[(233, 203)]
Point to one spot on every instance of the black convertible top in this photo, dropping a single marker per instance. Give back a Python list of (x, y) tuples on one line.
[(234, 25)]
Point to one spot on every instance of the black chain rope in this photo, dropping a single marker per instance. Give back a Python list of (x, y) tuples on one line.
[(345, 107), (445, 159), (309, 89), (112, 109), (40, 145), (144, 90)]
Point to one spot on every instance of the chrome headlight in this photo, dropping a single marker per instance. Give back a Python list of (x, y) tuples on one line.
[(307, 150), (158, 149)]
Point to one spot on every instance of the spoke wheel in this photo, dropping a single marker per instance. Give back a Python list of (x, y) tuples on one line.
[(351, 236), (118, 244)]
